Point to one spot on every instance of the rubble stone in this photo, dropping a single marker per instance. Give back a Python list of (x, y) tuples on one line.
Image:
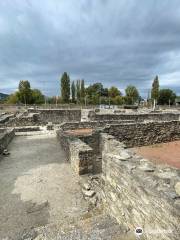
[(177, 188), (89, 193)]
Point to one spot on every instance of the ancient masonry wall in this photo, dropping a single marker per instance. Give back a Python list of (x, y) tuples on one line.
[(91, 124), (78, 153), (42, 117), (93, 140), (5, 138), (57, 116), (141, 134), (138, 193), (135, 116), (24, 120), (132, 134)]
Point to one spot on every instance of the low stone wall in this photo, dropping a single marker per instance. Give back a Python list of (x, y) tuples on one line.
[(140, 194), (27, 129), (141, 134), (24, 120), (5, 138), (57, 116), (91, 124), (5, 118), (77, 152), (93, 140), (138, 117), (37, 117)]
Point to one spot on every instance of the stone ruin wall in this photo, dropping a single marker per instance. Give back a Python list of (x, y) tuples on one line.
[(6, 135), (23, 120), (138, 193), (78, 153), (91, 124), (132, 134), (93, 141), (37, 117), (138, 117), (135, 191), (57, 116), (88, 145), (141, 134)]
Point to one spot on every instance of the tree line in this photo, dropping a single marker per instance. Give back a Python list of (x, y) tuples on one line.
[(75, 92), (97, 94)]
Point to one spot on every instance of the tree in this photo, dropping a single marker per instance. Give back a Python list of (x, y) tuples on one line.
[(78, 90), (13, 98), (119, 100), (104, 92), (25, 94), (155, 89), (37, 96), (82, 90), (94, 92), (132, 94), (166, 96), (114, 92), (95, 89), (65, 87), (73, 92)]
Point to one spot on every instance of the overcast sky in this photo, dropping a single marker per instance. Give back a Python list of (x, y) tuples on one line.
[(116, 42)]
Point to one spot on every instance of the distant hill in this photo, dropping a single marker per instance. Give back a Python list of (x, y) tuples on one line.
[(3, 96)]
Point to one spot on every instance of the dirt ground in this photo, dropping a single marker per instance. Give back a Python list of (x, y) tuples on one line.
[(37, 186), (164, 153)]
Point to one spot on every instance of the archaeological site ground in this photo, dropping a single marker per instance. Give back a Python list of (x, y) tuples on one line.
[(89, 174)]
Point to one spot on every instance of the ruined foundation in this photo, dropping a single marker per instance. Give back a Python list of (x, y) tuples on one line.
[(135, 191)]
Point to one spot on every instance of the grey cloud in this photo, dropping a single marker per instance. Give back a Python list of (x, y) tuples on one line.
[(115, 42)]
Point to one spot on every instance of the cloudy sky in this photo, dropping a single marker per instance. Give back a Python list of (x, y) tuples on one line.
[(116, 42)]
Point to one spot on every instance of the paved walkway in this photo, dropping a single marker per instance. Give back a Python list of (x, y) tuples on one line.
[(37, 185)]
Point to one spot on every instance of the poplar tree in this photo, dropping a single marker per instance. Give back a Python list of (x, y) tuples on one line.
[(73, 92), (78, 90), (65, 87), (155, 89), (82, 90)]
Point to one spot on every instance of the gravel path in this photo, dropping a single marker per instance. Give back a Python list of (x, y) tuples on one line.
[(37, 186)]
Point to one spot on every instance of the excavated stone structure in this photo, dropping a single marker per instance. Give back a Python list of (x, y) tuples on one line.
[(134, 191)]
